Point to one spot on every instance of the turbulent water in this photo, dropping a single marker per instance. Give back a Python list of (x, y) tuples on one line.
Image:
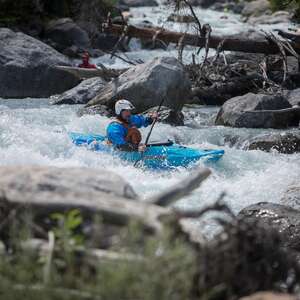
[(34, 132)]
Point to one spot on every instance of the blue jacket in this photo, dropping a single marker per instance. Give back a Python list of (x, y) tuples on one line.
[(117, 132)]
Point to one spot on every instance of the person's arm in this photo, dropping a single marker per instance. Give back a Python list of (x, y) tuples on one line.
[(116, 135), (141, 121)]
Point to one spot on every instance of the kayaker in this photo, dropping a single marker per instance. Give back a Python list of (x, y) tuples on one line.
[(123, 132), (86, 62)]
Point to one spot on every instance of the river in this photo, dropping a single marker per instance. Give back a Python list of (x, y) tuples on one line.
[(34, 132)]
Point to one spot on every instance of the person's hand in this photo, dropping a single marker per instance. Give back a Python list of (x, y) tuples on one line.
[(154, 116), (142, 148)]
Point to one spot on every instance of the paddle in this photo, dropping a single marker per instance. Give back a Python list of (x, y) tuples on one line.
[(150, 131)]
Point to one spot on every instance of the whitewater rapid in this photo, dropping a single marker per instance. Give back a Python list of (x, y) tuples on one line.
[(34, 132)]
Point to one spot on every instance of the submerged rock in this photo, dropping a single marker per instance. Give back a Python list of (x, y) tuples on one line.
[(81, 94), (145, 85), (256, 111), (27, 67), (286, 143), (44, 185), (281, 218)]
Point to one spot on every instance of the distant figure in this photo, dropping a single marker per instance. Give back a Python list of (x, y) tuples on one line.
[(86, 62)]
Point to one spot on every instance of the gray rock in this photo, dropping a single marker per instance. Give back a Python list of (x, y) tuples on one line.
[(27, 67), (65, 33), (81, 94), (138, 3), (255, 8), (287, 143), (283, 219), (251, 111), (145, 85), (49, 184), (293, 97), (292, 197)]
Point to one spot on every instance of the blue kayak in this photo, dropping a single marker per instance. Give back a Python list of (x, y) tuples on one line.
[(157, 156)]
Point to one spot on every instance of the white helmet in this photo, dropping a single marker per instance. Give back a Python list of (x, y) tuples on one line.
[(123, 104)]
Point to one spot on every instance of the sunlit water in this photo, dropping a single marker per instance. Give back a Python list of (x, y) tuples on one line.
[(33, 132)]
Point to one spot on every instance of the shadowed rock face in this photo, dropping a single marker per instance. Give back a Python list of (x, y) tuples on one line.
[(287, 143), (256, 111), (65, 33), (27, 67), (281, 218), (147, 84)]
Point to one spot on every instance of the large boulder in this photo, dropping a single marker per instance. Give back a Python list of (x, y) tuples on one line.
[(81, 94), (64, 33), (27, 67), (256, 111), (280, 218), (276, 18), (145, 85), (286, 143)]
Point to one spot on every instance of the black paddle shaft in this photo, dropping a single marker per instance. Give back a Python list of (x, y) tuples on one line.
[(150, 131)]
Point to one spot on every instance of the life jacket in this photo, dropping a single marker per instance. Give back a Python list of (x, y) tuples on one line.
[(133, 136)]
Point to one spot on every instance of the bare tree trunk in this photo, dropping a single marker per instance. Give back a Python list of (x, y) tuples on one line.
[(230, 44)]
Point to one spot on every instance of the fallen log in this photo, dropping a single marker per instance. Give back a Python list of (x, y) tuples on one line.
[(228, 44)]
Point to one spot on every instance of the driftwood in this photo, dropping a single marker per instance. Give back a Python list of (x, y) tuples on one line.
[(112, 209), (82, 73), (228, 44)]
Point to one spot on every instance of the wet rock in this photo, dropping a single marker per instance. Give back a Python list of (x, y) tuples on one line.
[(250, 111), (255, 8), (287, 143), (281, 218), (27, 67), (64, 33), (270, 296), (138, 3), (168, 116), (45, 185), (292, 196), (293, 97), (81, 94), (145, 85), (276, 18)]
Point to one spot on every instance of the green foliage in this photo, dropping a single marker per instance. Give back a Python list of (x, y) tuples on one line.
[(159, 267), (66, 229)]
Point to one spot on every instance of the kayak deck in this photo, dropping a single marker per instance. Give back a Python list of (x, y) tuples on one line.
[(156, 156)]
